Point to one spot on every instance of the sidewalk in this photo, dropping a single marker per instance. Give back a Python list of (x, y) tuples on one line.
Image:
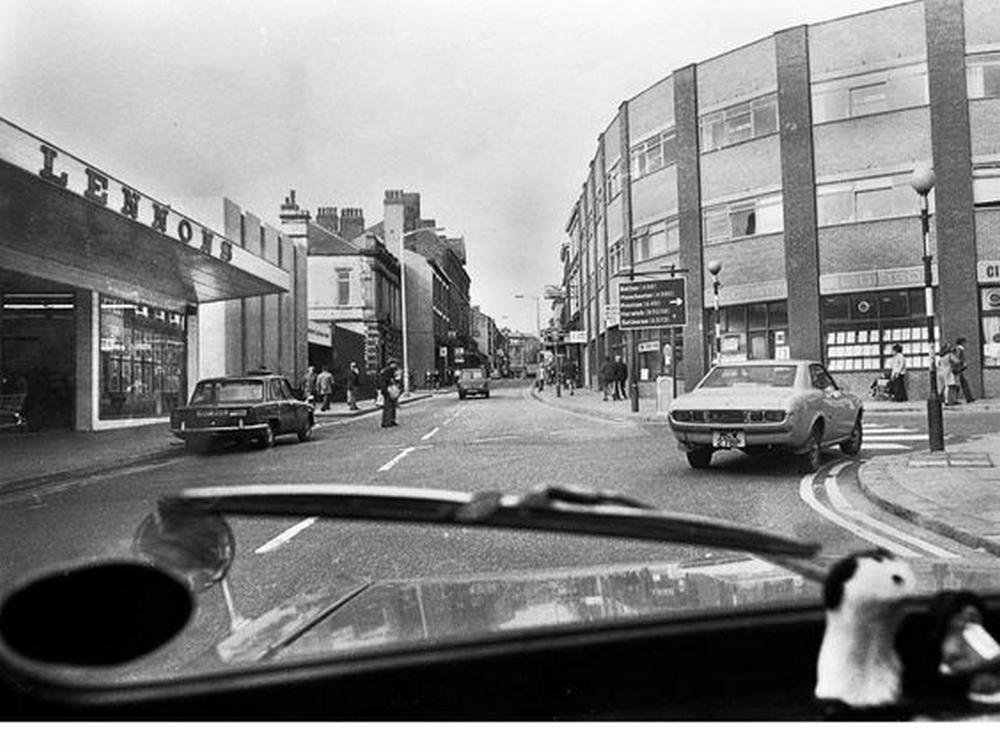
[(31, 459), (955, 493)]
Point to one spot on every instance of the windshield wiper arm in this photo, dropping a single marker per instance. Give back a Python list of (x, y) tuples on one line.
[(554, 508)]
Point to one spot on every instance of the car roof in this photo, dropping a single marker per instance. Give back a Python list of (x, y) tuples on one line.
[(780, 362)]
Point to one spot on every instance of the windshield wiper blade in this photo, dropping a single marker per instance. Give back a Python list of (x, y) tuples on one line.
[(553, 508)]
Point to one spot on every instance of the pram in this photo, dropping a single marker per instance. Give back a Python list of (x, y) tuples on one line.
[(880, 390)]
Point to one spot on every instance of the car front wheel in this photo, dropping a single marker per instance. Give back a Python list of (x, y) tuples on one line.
[(852, 446), (266, 439), (306, 432), (699, 458)]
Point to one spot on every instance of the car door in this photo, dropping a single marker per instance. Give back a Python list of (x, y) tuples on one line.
[(838, 410), (298, 412), (278, 404)]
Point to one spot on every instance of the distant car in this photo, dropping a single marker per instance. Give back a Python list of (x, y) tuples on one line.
[(255, 407), (763, 405), (473, 380)]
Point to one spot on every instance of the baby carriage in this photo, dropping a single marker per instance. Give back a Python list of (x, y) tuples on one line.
[(880, 390)]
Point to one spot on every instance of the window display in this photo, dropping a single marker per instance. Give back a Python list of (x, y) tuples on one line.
[(143, 359)]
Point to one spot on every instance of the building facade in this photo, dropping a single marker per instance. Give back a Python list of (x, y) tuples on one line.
[(788, 161), (114, 303)]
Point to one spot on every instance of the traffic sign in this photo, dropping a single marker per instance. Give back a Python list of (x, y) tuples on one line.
[(610, 315), (652, 304)]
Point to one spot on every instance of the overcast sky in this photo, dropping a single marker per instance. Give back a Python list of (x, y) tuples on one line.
[(489, 109)]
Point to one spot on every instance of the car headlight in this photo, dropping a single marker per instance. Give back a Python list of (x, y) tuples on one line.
[(774, 415)]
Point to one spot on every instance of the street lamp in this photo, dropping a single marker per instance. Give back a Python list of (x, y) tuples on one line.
[(922, 181), (402, 286), (714, 267)]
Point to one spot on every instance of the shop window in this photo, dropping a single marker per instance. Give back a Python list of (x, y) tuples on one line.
[(143, 364), (754, 331), (757, 316), (861, 329)]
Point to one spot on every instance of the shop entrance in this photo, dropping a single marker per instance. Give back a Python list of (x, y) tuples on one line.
[(37, 352)]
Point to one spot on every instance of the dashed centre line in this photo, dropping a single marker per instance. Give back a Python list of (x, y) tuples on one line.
[(286, 535), (399, 457), (430, 434)]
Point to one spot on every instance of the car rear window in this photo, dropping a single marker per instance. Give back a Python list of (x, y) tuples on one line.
[(727, 376), (216, 392)]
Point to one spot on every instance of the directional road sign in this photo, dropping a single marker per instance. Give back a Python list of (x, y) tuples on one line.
[(651, 304)]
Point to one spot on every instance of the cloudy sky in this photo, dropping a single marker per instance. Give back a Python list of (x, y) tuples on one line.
[(489, 109)]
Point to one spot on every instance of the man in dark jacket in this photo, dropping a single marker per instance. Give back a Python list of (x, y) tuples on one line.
[(389, 387), (353, 384), (608, 377), (959, 370), (621, 378)]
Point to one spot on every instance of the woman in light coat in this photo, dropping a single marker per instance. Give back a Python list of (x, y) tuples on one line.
[(946, 380)]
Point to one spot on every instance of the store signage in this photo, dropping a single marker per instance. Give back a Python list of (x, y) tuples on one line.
[(576, 337), (648, 346), (610, 316), (652, 304), (988, 271), (321, 334), (22, 149)]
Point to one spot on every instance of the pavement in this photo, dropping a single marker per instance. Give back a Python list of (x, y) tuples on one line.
[(31, 459), (955, 492)]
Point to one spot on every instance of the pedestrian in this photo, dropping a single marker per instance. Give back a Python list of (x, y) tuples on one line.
[(309, 384), (607, 377), (897, 374), (353, 385), (621, 378), (947, 385), (324, 387), (570, 375), (388, 383), (959, 369)]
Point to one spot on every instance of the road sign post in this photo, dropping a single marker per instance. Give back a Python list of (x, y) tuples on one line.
[(656, 303)]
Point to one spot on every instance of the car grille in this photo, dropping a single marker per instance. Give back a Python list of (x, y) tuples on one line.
[(729, 416)]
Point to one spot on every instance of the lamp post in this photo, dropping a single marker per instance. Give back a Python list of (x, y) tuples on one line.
[(922, 181), (714, 267), (402, 287)]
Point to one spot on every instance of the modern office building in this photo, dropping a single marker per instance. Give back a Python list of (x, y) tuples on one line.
[(114, 303), (789, 161)]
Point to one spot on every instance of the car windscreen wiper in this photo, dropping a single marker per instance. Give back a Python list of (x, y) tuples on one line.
[(553, 508)]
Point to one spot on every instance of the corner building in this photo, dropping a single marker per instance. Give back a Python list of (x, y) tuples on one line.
[(789, 161)]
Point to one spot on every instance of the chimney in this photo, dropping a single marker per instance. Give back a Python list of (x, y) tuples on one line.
[(326, 217), (293, 220), (352, 223)]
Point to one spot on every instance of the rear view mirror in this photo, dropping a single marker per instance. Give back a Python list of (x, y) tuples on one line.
[(198, 547)]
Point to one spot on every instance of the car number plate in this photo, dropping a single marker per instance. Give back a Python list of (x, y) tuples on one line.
[(729, 439)]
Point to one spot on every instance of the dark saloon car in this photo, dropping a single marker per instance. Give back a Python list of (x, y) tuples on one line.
[(473, 380), (242, 408)]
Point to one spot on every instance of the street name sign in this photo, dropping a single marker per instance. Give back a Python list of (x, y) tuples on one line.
[(651, 304)]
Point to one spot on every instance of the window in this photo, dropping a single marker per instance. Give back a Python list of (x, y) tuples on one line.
[(866, 200), (343, 287), (983, 76), (743, 219), (614, 182), (861, 329), (755, 331), (672, 236), (870, 93), (739, 123), (986, 186), (868, 99)]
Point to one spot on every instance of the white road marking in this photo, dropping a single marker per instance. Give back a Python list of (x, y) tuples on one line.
[(880, 438), (809, 497), (400, 456), (839, 502), (885, 446), (430, 434), (886, 430), (285, 536)]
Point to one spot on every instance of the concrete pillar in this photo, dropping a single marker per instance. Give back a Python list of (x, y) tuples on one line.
[(87, 344)]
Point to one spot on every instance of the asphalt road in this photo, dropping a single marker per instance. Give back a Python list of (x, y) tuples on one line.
[(508, 442)]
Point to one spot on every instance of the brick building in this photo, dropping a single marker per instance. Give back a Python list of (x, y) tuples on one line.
[(788, 161)]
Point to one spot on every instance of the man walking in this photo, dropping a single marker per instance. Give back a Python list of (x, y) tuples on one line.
[(324, 387), (608, 377), (959, 369), (389, 388), (897, 376), (309, 384), (621, 378), (353, 384)]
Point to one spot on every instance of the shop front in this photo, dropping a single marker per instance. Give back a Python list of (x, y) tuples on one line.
[(100, 287)]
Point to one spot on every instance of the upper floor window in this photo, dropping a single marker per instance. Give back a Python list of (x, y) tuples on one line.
[(613, 180), (986, 185), (983, 75), (746, 218), (866, 200), (739, 123), (343, 286), (653, 154), (870, 93), (656, 239)]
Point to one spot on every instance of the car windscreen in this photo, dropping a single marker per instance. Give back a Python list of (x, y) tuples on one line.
[(229, 391), (727, 376), (472, 375)]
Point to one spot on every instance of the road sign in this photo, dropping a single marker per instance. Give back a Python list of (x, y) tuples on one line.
[(610, 315), (651, 304)]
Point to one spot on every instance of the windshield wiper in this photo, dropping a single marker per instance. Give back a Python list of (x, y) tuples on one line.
[(554, 508)]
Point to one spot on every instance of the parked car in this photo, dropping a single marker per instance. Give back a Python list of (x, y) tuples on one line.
[(763, 405), (256, 407), (472, 380)]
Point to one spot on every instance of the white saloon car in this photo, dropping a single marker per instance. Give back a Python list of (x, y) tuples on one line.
[(763, 405)]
